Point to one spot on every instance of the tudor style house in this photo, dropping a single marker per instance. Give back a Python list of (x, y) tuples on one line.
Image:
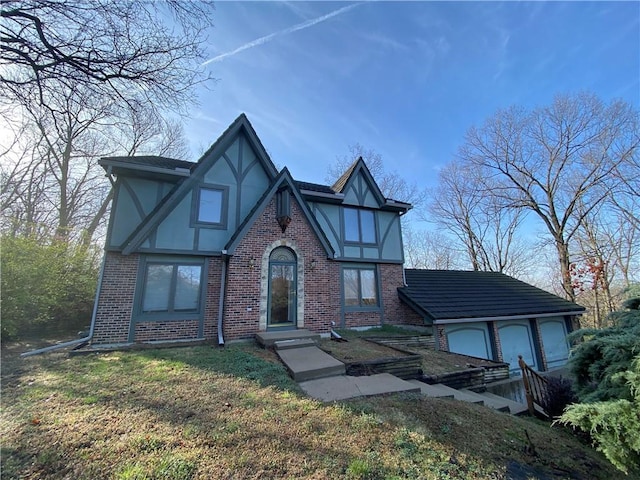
[(228, 247)]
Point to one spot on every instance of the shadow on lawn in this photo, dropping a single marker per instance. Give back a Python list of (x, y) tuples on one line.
[(200, 395), (238, 360)]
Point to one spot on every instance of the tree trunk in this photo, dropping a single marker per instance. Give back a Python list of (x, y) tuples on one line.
[(563, 257)]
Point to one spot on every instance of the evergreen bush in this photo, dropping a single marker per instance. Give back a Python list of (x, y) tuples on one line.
[(607, 371)]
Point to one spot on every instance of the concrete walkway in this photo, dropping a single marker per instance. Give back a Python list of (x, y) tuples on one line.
[(323, 377), (342, 387), (308, 363)]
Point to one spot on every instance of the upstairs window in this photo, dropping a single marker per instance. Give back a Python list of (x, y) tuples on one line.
[(210, 206), (359, 225), (360, 287)]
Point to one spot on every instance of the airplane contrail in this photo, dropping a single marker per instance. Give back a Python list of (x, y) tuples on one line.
[(271, 36)]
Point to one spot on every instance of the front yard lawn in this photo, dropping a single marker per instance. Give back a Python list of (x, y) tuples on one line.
[(206, 412)]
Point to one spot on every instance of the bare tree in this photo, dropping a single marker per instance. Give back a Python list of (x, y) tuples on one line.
[(427, 249), (55, 183), (83, 79), (109, 48), (484, 225), (553, 159)]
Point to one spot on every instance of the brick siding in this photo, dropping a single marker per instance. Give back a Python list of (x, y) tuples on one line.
[(493, 326), (246, 288), (441, 338), (115, 301), (319, 293)]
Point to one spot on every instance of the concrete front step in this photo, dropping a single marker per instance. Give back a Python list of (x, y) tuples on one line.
[(439, 390), (294, 343), (515, 408), (307, 363), (487, 399), (268, 339), (494, 402), (343, 387)]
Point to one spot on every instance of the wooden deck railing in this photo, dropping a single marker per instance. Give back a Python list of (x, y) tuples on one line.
[(535, 388)]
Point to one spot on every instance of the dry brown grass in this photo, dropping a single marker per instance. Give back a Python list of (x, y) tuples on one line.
[(203, 412), (359, 350)]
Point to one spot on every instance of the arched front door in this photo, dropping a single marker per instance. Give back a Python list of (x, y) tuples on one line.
[(282, 289)]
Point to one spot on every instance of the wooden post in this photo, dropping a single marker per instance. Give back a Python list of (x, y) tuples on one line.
[(527, 387)]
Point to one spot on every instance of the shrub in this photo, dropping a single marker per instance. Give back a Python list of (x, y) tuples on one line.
[(614, 425), (558, 395), (607, 370), (605, 353), (45, 286)]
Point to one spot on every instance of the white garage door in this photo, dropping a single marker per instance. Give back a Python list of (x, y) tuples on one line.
[(469, 339), (516, 339), (554, 341)]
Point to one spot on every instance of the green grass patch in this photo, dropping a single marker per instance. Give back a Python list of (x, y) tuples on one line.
[(233, 412)]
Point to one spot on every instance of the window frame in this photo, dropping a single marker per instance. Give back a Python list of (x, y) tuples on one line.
[(171, 313), (359, 212), (361, 304), (224, 206)]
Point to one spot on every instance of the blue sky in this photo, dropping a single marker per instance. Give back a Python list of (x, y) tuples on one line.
[(406, 79)]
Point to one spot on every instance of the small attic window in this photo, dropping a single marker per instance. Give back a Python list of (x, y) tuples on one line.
[(210, 206)]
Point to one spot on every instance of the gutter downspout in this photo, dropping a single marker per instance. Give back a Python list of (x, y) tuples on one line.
[(223, 285), (91, 328)]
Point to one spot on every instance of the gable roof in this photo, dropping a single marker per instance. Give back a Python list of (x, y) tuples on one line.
[(448, 295), (283, 178), (241, 124), (352, 172)]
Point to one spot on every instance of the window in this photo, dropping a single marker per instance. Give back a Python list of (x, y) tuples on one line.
[(171, 288), (211, 206), (359, 225), (360, 288)]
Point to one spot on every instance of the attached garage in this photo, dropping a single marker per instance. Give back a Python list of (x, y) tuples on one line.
[(491, 315), (470, 339)]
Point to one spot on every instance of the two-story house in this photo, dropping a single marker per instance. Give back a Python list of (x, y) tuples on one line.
[(228, 247)]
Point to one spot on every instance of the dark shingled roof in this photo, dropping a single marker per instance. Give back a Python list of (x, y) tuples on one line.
[(456, 294), (153, 161), (314, 187)]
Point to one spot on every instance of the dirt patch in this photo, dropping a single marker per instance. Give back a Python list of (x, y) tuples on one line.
[(359, 350), (437, 363)]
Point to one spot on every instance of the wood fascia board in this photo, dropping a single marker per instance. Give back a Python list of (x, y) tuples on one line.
[(445, 321), (105, 163), (241, 124)]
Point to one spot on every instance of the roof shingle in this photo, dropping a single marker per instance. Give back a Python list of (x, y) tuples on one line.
[(457, 294)]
